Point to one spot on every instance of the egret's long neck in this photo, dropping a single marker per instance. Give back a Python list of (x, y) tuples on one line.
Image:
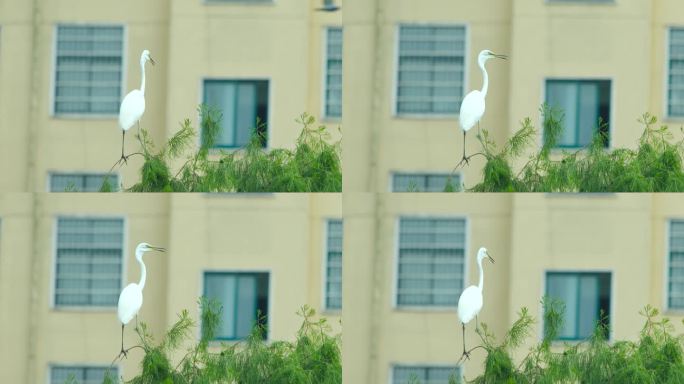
[(479, 264), (143, 271), (485, 79), (142, 83)]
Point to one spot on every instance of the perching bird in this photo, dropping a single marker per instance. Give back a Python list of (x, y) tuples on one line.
[(473, 105), (470, 302), (133, 105), (131, 297)]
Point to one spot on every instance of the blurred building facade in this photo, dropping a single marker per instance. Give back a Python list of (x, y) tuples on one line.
[(414, 62), (65, 66), (411, 255), (64, 259)]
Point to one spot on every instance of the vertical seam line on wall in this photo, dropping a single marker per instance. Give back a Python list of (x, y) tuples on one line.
[(377, 94), (34, 97)]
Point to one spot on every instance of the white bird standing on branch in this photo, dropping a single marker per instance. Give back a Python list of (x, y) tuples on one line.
[(470, 302), (133, 105), (473, 105), (131, 297)]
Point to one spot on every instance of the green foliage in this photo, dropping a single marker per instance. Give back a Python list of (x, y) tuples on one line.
[(656, 357), (655, 166), (313, 166), (313, 358)]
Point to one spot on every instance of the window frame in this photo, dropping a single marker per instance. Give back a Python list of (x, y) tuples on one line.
[(392, 174), (326, 251), (53, 74), (269, 112), (51, 173), (53, 364), (395, 261), (271, 278), (53, 280), (394, 364), (666, 271), (667, 71), (395, 70), (611, 322), (324, 80), (611, 109)]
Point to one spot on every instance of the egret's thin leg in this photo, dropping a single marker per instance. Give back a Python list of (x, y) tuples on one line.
[(123, 138), (465, 353), (476, 324), (123, 351), (464, 159), (464, 144)]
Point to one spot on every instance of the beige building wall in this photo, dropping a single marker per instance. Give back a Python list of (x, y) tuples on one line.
[(271, 232), (15, 95), (528, 235), (16, 278), (625, 42), (594, 41), (377, 333), (190, 41), (387, 142)]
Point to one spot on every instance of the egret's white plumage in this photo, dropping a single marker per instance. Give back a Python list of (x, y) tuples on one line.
[(470, 302), (133, 105), (473, 105), (130, 301), (472, 109), (131, 298), (132, 108)]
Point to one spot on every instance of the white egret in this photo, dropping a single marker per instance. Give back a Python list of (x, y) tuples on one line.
[(133, 105), (131, 297), (470, 302), (473, 105)]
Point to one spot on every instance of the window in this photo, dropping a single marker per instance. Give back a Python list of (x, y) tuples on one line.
[(431, 70), (82, 182), (88, 70), (333, 72), (244, 298), (89, 262), (81, 375), (333, 266), (424, 182), (675, 273), (675, 80), (430, 271), (424, 374), (586, 297), (582, 102), (241, 102)]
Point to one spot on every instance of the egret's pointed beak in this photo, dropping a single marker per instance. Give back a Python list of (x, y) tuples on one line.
[(158, 249), (490, 258), (152, 60), (503, 57)]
